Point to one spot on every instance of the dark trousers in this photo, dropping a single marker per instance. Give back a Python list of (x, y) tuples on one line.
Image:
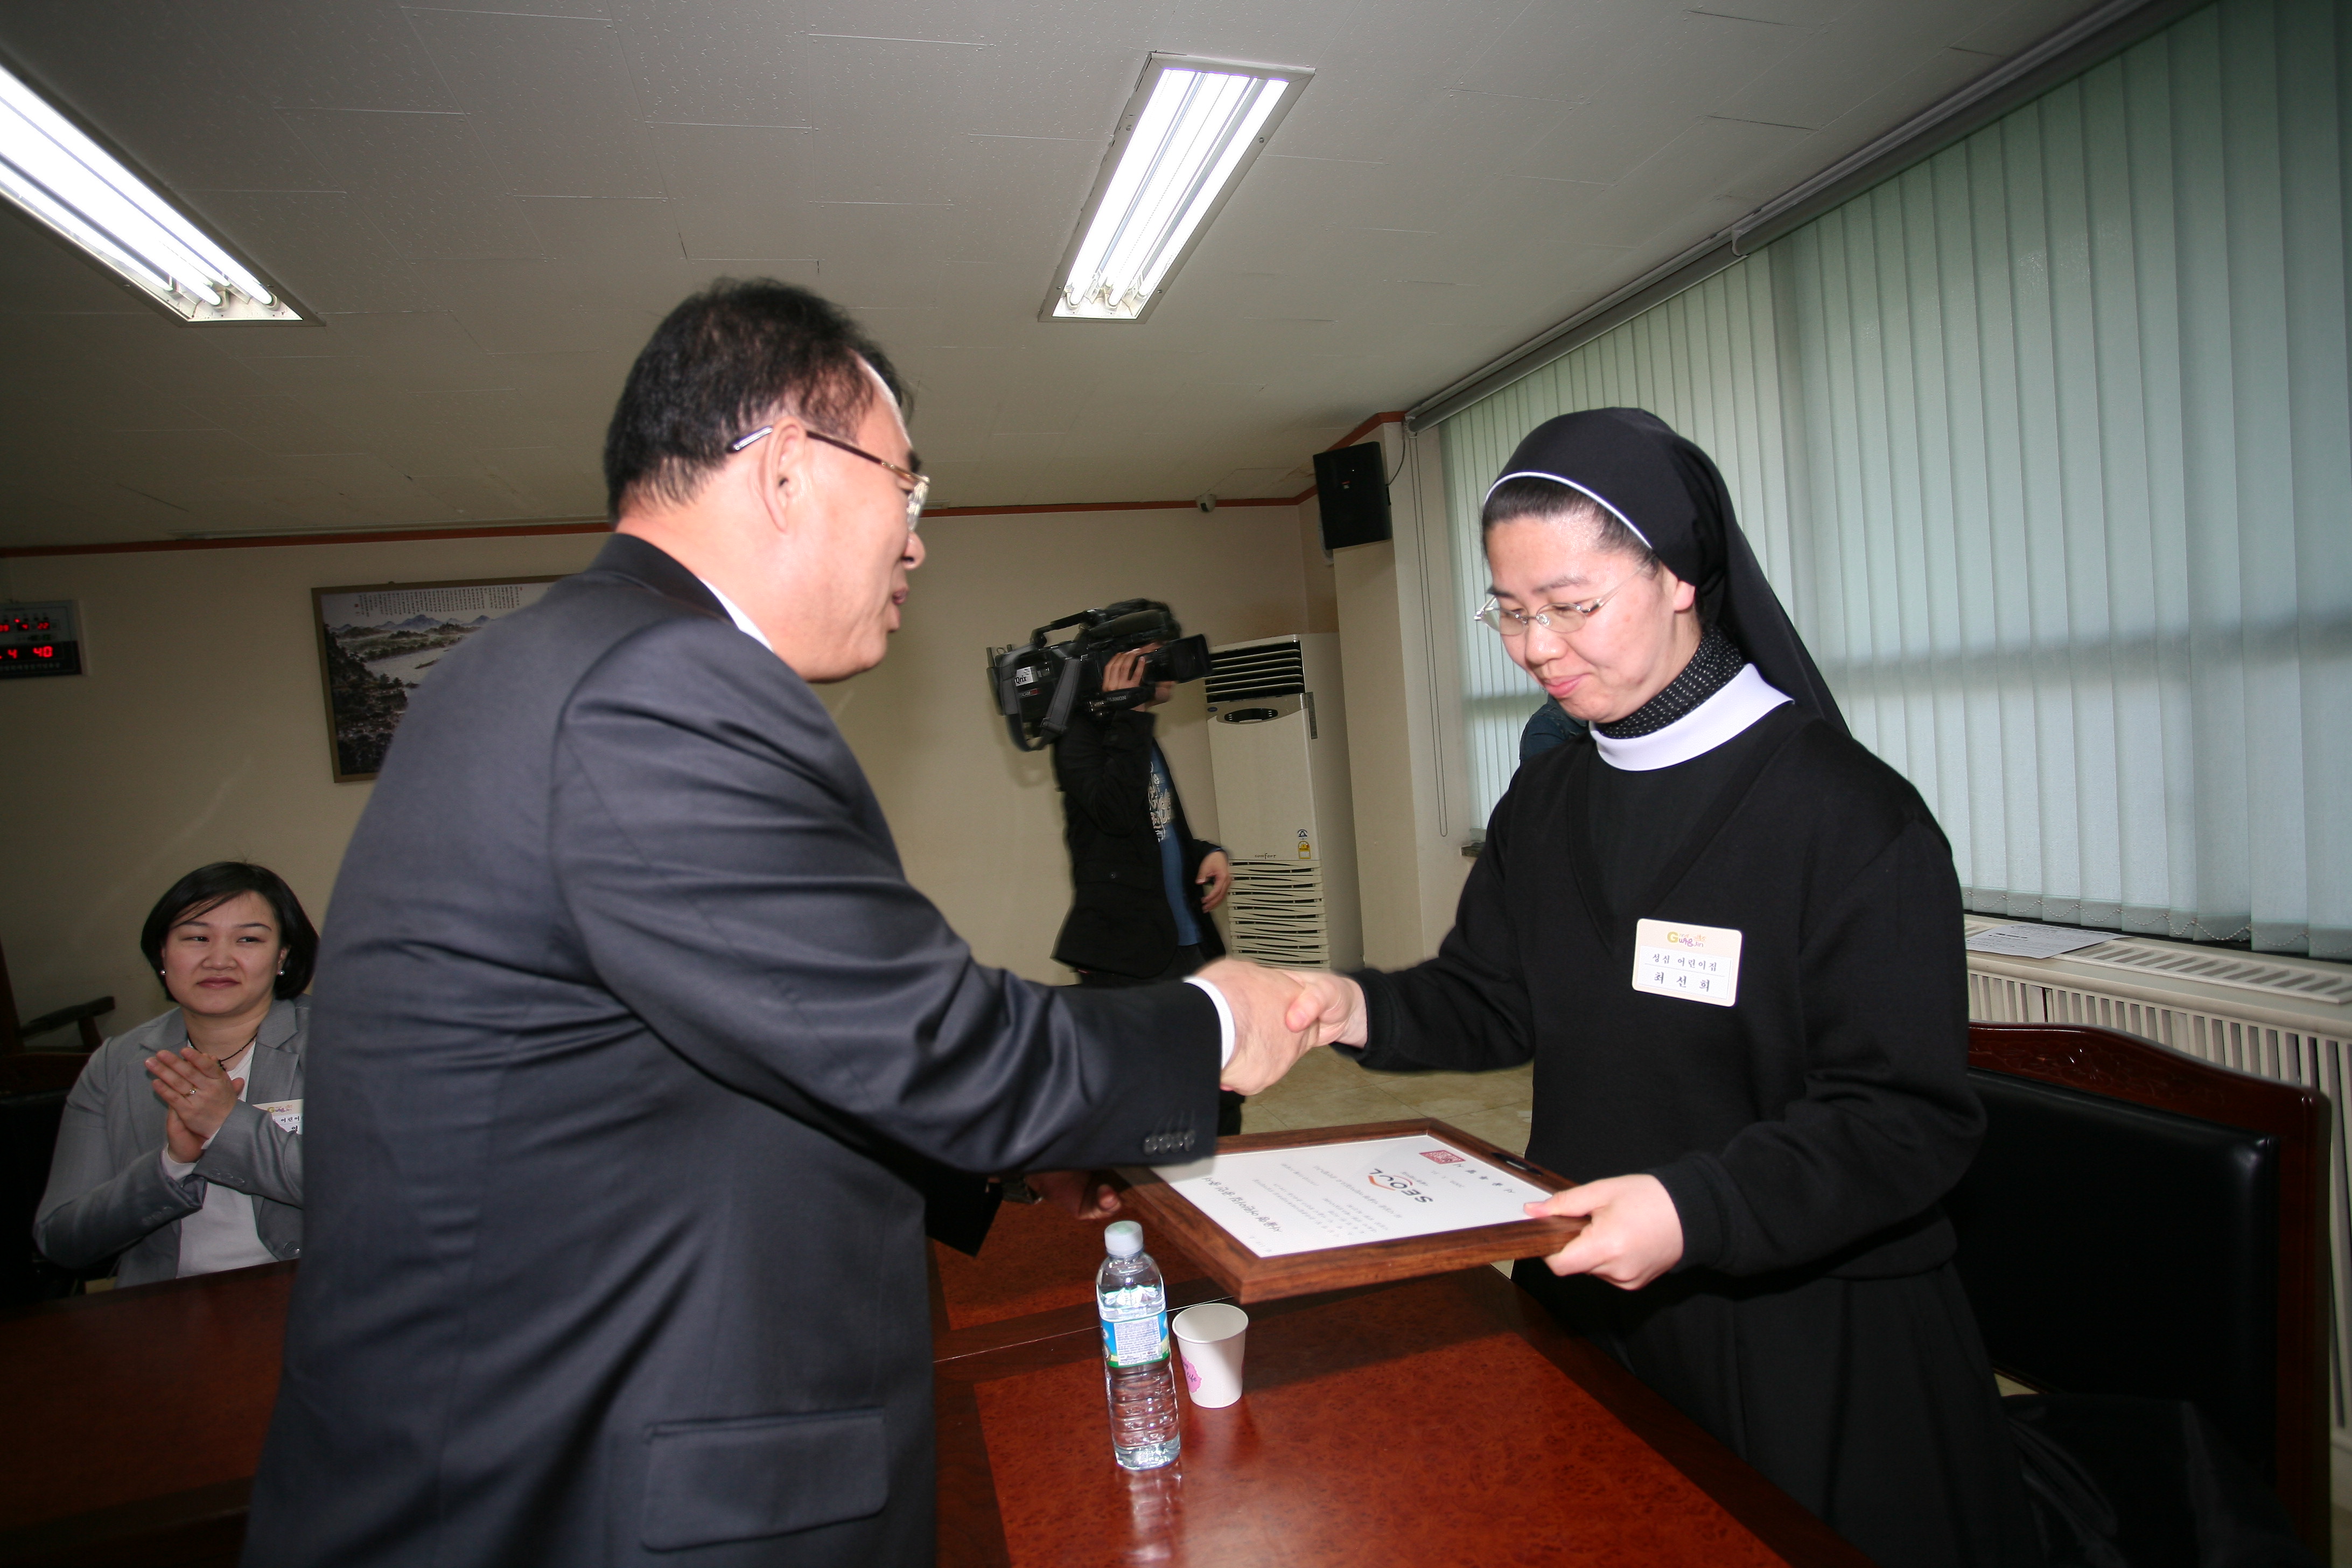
[(1188, 959)]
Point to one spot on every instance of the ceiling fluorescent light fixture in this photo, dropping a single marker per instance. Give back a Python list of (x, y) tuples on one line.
[(53, 170), (1184, 140)]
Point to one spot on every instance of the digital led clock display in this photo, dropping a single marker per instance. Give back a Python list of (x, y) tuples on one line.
[(39, 639)]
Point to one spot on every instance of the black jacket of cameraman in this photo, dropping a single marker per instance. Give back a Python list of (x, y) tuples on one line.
[(1119, 919)]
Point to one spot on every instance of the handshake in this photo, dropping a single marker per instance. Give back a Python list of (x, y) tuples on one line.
[(1279, 1015)]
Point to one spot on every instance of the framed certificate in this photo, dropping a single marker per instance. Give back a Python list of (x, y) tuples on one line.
[(1288, 1214)]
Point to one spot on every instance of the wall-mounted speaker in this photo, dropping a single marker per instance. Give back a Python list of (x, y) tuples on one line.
[(1351, 491)]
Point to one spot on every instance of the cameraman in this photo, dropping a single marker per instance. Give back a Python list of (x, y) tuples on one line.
[(1143, 885)]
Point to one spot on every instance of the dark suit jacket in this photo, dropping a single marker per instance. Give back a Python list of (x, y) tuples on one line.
[(1119, 919), (632, 1032)]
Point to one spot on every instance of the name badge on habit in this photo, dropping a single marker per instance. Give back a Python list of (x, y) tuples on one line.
[(1697, 963), (286, 1113)]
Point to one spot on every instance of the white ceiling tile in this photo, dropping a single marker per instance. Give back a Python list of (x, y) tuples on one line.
[(365, 482), (284, 426), (549, 96), (701, 63), (1564, 49), (1248, 482), (317, 244), (172, 85), (2004, 30), (560, 479), (423, 179), (738, 190), (281, 501), (1065, 82), (958, 21), (1942, 72), (325, 54), (1844, 65), (1456, 179), (568, 7), (479, 497), (1017, 199)]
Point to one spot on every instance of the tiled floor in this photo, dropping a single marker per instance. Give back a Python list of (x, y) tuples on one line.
[(1327, 1090)]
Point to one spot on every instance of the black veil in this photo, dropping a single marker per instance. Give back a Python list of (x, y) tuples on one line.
[(1668, 492)]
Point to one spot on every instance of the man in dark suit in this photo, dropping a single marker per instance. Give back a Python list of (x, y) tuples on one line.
[(635, 1047), (1142, 886)]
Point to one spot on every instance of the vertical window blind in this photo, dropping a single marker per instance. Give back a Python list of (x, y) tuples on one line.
[(2047, 445)]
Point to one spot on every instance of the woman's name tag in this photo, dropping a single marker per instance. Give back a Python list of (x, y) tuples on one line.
[(1697, 963), (286, 1113)]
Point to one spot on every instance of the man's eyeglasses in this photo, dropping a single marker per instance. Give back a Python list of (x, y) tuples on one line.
[(1565, 619), (919, 486)]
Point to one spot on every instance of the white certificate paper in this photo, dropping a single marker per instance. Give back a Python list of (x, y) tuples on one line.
[(2030, 941), (1277, 1202)]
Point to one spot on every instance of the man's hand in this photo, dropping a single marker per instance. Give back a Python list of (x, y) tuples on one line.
[(1635, 1234), (1264, 1046), (1125, 669), (1216, 879), (1329, 1008), (1075, 1193)]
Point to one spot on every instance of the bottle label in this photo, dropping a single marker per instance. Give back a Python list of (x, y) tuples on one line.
[(1136, 1342)]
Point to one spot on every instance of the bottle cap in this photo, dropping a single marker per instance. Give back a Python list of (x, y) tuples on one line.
[(1123, 1238)]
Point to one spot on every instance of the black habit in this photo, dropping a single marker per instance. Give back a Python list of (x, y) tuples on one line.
[(1814, 1324)]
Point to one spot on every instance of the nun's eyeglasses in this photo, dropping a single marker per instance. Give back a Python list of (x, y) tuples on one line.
[(917, 488), (1565, 619)]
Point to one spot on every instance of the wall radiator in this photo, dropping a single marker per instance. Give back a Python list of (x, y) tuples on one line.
[(2281, 1017)]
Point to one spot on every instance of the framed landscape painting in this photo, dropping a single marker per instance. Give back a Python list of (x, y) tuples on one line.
[(377, 643)]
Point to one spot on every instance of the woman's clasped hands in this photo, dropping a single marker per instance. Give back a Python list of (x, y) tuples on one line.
[(198, 1097)]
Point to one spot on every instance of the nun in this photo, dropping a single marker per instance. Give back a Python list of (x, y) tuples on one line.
[(1728, 937)]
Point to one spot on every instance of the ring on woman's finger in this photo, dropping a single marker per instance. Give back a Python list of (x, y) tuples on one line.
[(188, 1094)]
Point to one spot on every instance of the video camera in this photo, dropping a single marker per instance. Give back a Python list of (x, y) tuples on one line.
[(1038, 684)]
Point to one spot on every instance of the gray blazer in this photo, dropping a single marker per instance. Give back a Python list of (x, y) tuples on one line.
[(107, 1191)]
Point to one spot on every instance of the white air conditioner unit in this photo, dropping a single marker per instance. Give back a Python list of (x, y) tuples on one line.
[(1278, 745)]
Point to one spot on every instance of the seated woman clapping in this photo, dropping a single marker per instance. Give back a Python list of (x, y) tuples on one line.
[(180, 1147)]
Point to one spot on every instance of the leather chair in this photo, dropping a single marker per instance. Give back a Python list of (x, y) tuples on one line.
[(2143, 1223), (83, 1016)]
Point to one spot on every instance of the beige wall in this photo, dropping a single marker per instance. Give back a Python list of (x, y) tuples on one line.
[(978, 823), (1403, 731), (198, 733)]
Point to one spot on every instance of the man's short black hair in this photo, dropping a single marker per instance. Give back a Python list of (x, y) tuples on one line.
[(725, 362), (208, 887)]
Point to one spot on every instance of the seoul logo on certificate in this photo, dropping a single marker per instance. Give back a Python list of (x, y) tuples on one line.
[(1697, 963)]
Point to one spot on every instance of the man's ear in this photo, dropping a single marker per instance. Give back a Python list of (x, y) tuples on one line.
[(783, 476)]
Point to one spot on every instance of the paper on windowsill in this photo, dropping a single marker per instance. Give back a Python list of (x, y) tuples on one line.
[(2030, 941)]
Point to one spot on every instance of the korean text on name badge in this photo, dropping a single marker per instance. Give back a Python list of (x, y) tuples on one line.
[(1697, 963)]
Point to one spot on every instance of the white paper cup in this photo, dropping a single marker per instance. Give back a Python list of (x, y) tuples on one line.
[(1211, 1338)]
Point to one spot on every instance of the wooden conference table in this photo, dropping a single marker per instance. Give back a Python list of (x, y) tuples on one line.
[(1440, 1421)]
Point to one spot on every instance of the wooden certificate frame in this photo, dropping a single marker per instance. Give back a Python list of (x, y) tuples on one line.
[(1254, 1278)]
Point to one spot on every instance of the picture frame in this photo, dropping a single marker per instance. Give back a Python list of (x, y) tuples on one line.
[(1252, 1278), (378, 640)]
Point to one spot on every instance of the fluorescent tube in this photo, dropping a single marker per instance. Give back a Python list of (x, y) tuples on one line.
[(1190, 130), (54, 172)]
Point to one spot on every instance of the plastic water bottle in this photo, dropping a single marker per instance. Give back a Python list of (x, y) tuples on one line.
[(1139, 1376)]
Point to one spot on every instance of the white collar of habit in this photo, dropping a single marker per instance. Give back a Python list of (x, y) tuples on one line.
[(1744, 699)]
